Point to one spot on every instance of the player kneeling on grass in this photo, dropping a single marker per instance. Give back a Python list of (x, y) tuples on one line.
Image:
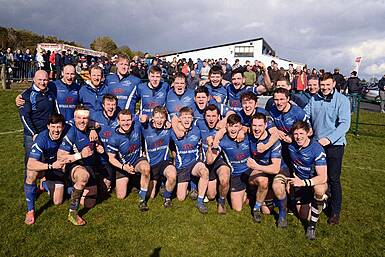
[(219, 171), (187, 159), (310, 175), (236, 153), (265, 166), (43, 161), (82, 155), (157, 139), (124, 153)]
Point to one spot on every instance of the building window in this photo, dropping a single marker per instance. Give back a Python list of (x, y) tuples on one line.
[(244, 51)]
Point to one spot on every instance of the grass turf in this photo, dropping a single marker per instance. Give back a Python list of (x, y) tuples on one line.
[(117, 228)]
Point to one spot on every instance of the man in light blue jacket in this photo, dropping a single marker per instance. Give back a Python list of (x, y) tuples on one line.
[(329, 113)]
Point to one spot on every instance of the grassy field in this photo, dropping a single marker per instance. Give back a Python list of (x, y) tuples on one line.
[(117, 228)]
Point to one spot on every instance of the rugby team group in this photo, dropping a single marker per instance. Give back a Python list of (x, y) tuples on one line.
[(212, 142)]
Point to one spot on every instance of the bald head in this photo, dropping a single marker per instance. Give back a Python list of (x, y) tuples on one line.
[(68, 74), (41, 79)]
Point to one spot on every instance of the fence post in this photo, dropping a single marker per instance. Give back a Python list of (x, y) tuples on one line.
[(3, 77)]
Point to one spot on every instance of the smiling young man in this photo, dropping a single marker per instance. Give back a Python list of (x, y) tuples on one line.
[(125, 154), (187, 159), (215, 86), (43, 161), (310, 175), (122, 84), (157, 140), (329, 113), (91, 94)]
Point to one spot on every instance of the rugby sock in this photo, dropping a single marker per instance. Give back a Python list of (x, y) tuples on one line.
[(257, 205), (282, 207), (200, 199), (316, 209), (75, 199), (221, 200), (30, 195), (142, 194), (45, 186), (193, 186), (70, 190), (167, 195)]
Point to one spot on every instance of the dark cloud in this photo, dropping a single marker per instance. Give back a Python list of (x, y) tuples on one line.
[(319, 33)]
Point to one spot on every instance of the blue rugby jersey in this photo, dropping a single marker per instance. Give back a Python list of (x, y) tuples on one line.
[(236, 154), (67, 97), (107, 125), (75, 141), (234, 96), (305, 159), (220, 91), (126, 146), (187, 148), (44, 149), (205, 133), (199, 114), (175, 102), (265, 158), (246, 120), (284, 121), (151, 98), (92, 97), (124, 89), (38, 106), (157, 143)]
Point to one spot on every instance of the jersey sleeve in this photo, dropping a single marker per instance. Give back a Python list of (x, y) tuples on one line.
[(112, 145), (37, 148), (68, 141), (276, 150), (320, 155), (25, 114)]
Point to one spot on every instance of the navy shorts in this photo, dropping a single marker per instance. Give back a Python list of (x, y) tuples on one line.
[(124, 174), (214, 167), (184, 174), (158, 169), (303, 195), (239, 182), (54, 177)]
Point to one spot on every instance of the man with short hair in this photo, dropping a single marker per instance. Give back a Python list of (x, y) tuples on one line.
[(312, 89), (82, 155), (34, 113), (122, 84), (381, 87), (179, 96), (219, 171), (124, 153), (91, 94), (310, 175), (329, 113), (157, 140), (43, 161), (187, 159), (215, 86)]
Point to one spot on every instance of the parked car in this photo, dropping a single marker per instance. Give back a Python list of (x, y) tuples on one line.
[(370, 92)]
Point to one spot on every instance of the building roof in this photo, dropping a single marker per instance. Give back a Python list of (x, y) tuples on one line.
[(210, 47)]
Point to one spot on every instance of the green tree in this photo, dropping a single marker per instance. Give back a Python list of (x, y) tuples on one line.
[(104, 44)]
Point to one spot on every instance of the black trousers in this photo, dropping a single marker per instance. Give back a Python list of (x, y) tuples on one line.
[(334, 155)]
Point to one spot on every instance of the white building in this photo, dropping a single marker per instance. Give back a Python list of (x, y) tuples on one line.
[(251, 50)]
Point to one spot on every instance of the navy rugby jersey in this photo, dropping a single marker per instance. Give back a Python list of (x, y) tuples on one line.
[(126, 146), (38, 106), (175, 102), (107, 125), (44, 149), (234, 96), (305, 159), (67, 97), (220, 91), (156, 143), (223, 110), (187, 148), (205, 133), (284, 121), (151, 98), (246, 120), (92, 97), (123, 89), (236, 154), (75, 141), (265, 158)]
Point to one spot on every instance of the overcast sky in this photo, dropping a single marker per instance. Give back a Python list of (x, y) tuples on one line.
[(322, 34)]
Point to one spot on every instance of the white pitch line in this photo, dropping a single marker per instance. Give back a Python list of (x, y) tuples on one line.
[(11, 132)]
